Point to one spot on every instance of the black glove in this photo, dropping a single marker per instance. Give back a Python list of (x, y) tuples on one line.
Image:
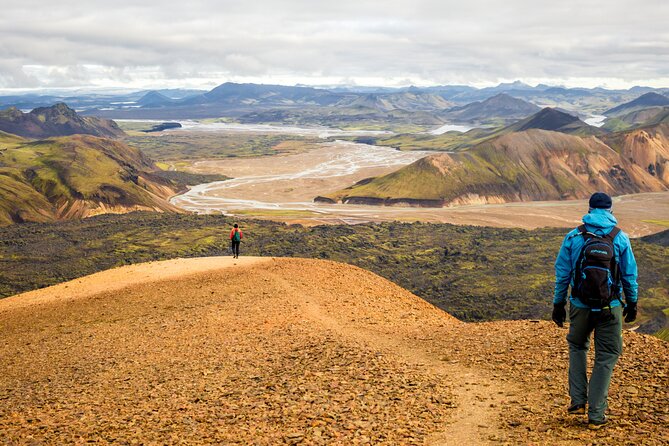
[(559, 314), (630, 312)]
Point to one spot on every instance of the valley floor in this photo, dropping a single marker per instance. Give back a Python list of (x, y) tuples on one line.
[(282, 188), (293, 351)]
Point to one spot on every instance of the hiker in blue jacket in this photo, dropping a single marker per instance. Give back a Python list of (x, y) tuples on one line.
[(576, 266)]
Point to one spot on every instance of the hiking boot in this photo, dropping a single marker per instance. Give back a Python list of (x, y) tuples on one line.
[(595, 425), (576, 409)]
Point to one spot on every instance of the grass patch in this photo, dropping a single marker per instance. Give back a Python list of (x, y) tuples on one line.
[(285, 213), (663, 334), (172, 147), (664, 223), (189, 179)]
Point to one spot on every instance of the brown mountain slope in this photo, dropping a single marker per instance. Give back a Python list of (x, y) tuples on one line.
[(57, 120), (525, 166), (76, 176), (648, 147), (288, 351)]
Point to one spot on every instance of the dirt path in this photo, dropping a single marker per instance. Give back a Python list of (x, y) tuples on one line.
[(478, 399)]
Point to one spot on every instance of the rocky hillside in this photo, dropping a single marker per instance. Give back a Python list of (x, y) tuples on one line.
[(279, 351), (76, 176), (57, 120), (526, 165), (648, 147)]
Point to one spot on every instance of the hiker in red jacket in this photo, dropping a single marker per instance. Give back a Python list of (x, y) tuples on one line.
[(235, 238)]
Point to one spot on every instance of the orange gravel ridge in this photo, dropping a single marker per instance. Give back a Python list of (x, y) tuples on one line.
[(293, 351)]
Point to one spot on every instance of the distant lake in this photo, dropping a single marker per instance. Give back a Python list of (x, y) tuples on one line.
[(595, 120), (231, 127), (450, 128)]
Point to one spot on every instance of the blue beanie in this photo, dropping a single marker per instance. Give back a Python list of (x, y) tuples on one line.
[(600, 200)]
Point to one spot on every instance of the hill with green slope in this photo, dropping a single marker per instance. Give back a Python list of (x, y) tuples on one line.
[(639, 118), (526, 165), (644, 101), (57, 120), (76, 176), (546, 119), (556, 121)]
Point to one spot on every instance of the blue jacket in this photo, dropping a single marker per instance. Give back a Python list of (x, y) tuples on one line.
[(601, 222)]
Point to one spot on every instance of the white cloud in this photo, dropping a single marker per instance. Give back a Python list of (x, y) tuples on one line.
[(388, 42)]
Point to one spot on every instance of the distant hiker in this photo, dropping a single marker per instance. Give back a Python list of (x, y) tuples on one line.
[(596, 259), (235, 239)]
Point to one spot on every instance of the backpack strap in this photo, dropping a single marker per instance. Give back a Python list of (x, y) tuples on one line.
[(582, 230), (614, 232), (617, 274), (579, 231)]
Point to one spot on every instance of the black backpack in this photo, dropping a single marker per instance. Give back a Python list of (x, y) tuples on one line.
[(597, 275)]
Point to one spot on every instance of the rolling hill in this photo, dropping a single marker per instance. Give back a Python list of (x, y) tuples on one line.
[(500, 107), (546, 119), (76, 176), (639, 118), (57, 120), (341, 116), (402, 100), (554, 120), (647, 100), (154, 99), (528, 161), (290, 351)]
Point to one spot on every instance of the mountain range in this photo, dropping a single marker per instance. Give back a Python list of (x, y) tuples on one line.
[(259, 103)]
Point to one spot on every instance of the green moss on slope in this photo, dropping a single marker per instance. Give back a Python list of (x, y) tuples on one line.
[(475, 273), (39, 176)]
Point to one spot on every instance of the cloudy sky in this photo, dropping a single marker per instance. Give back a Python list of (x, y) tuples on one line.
[(202, 43)]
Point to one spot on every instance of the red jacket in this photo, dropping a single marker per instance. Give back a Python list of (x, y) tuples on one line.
[(232, 233)]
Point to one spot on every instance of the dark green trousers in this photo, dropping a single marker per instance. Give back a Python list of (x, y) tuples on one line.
[(608, 347)]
